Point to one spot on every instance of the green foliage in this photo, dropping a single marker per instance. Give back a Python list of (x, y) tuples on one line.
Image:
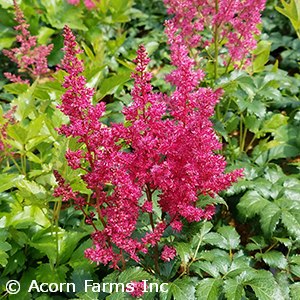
[(292, 11)]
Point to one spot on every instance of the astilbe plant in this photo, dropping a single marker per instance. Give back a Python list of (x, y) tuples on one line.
[(214, 25), (166, 145), (29, 57)]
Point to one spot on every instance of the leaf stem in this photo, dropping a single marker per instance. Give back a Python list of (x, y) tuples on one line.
[(156, 253)]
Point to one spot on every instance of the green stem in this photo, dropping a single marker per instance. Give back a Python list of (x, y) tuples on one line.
[(228, 64), (56, 213), (17, 165), (196, 252), (23, 163), (243, 134), (250, 144), (156, 253)]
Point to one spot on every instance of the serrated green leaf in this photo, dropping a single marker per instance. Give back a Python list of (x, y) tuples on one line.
[(88, 51), (291, 10), (184, 251), (3, 258), (209, 289), (134, 274), (34, 142), (261, 54), (274, 122), (28, 188), (256, 107), (207, 267), (109, 85), (264, 285), (283, 281), (78, 277), (295, 291), (231, 236), (35, 127), (44, 34), (258, 243), (7, 181), (205, 228), (5, 246), (16, 88), (291, 223), (45, 273), (269, 218), (233, 289), (274, 259), (252, 204), (215, 239), (88, 295), (210, 200), (24, 217), (182, 288)]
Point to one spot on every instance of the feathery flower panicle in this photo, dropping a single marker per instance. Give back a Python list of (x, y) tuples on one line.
[(7, 118), (232, 21), (89, 4), (168, 253), (137, 289), (29, 57), (170, 148)]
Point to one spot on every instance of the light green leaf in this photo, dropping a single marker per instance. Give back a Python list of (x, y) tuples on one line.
[(8, 181), (261, 54), (109, 85), (28, 188), (184, 251), (295, 291), (151, 47), (16, 88), (274, 122), (44, 34), (60, 13), (291, 10), (24, 217)]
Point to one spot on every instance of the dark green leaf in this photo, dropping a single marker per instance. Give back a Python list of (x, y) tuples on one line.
[(274, 259), (182, 288), (233, 289), (209, 289)]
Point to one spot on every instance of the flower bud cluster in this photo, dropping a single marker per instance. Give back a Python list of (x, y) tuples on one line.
[(232, 23), (29, 57)]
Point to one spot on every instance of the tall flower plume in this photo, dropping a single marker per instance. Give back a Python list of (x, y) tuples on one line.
[(232, 23), (167, 145), (29, 57)]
